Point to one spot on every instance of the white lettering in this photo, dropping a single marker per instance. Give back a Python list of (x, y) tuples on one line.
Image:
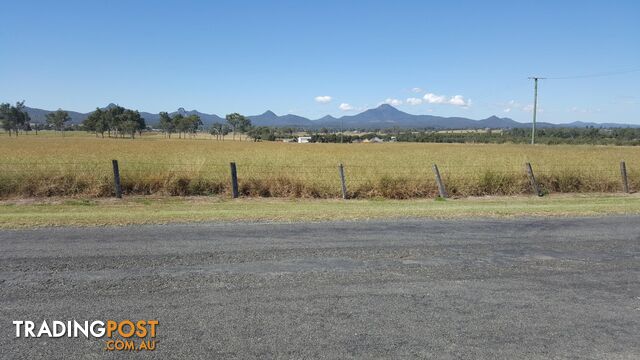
[(17, 323), (44, 329), (84, 330), (58, 328), (100, 331), (28, 329)]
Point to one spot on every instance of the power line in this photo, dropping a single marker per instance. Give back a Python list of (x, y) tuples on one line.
[(612, 73), (535, 90)]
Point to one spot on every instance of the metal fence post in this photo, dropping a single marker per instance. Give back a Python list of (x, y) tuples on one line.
[(342, 180), (532, 179), (234, 180), (116, 178), (625, 180), (441, 189)]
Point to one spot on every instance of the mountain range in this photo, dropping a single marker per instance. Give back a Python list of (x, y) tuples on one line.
[(382, 117)]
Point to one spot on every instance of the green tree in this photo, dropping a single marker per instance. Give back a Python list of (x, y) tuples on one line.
[(187, 124), (58, 119), (5, 117), (96, 122), (258, 133), (234, 121), (237, 122), (115, 119), (244, 124), (23, 116), (166, 124), (179, 124), (128, 127), (131, 122), (14, 118), (192, 123), (219, 130)]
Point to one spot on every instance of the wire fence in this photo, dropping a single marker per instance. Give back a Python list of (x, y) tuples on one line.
[(310, 180)]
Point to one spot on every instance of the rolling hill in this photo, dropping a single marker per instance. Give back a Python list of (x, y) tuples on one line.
[(382, 117)]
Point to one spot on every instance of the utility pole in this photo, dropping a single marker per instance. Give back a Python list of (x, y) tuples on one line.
[(535, 107)]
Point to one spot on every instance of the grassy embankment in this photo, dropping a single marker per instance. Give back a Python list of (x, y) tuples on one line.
[(153, 210), (80, 165)]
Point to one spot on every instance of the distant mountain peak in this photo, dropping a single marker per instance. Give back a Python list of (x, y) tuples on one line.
[(389, 109), (383, 113), (381, 117)]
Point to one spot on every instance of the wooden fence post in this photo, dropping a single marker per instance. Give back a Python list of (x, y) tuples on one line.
[(625, 180), (116, 178), (441, 189), (234, 180), (342, 180), (532, 179)]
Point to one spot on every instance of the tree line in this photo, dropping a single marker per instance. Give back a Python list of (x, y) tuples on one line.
[(548, 136), (116, 121), (191, 124), (15, 119), (179, 123)]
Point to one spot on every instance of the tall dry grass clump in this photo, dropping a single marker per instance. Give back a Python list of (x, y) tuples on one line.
[(49, 165)]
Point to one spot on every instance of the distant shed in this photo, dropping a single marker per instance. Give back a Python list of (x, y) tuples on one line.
[(373, 140)]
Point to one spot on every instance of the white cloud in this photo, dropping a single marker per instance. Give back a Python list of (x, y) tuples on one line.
[(514, 105), (345, 107), (394, 102), (457, 100), (434, 99), (511, 105), (323, 99), (417, 90), (414, 101)]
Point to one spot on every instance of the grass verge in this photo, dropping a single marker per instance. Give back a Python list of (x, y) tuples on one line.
[(29, 213)]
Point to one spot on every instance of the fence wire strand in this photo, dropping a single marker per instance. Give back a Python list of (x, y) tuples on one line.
[(145, 173)]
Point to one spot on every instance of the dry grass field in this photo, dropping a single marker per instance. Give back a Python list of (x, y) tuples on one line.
[(80, 164)]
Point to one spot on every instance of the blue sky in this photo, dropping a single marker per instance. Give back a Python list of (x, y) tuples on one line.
[(449, 58)]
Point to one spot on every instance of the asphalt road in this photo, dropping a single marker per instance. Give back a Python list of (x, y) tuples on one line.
[(473, 289)]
